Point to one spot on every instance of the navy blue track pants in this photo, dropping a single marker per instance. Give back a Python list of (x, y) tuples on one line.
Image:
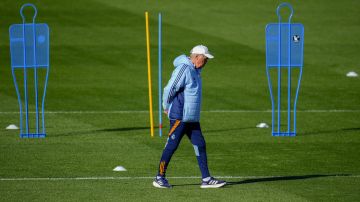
[(177, 130)]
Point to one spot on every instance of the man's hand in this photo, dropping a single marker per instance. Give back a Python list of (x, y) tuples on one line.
[(166, 111)]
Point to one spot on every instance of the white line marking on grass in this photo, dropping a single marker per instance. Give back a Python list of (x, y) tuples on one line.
[(178, 177), (206, 111)]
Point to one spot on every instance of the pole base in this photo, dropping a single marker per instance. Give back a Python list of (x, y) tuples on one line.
[(33, 135), (282, 134)]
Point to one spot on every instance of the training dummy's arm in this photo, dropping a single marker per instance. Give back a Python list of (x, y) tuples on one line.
[(176, 82)]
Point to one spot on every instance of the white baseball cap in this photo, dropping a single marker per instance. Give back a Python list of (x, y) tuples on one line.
[(200, 49)]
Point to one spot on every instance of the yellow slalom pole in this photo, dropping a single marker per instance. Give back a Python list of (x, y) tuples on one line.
[(149, 73)]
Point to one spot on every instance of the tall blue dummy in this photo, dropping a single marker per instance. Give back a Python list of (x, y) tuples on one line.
[(29, 48), (284, 50)]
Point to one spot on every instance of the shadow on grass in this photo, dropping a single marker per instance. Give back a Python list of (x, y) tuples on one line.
[(343, 130), (270, 179), (228, 129), (107, 130), (139, 128), (281, 178)]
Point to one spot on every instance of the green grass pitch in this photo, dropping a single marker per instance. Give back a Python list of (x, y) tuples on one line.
[(97, 104)]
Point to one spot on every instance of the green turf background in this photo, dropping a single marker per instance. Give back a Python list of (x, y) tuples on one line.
[(98, 64)]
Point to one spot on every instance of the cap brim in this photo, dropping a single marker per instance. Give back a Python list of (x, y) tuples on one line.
[(209, 56)]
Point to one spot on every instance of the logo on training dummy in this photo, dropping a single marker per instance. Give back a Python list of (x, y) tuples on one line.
[(296, 38), (173, 136)]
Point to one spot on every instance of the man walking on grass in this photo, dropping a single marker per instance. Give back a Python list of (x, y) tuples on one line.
[(182, 102)]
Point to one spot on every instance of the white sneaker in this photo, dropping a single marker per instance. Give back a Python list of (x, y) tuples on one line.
[(161, 182), (212, 183)]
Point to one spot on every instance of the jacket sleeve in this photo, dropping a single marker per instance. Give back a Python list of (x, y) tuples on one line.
[(176, 82)]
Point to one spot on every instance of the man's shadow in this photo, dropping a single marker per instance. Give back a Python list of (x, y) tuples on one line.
[(281, 178), (271, 179)]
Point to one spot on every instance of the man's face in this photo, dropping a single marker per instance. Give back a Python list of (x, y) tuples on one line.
[(200, 61)]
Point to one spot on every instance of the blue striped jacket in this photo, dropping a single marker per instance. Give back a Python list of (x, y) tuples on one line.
[(182, 94)]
